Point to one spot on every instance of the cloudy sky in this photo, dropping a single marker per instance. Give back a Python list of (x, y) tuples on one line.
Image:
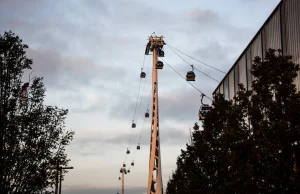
[(90, 53)]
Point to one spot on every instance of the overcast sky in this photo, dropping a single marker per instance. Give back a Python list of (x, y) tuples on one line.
[(90, 53)]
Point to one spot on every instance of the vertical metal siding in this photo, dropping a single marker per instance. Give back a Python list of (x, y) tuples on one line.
[(293, 32), (231, 84), (221, 89), (249, 67), (226, 89), (236, 77), (242, 71), (273, 32), (256, 47), (283, 28)]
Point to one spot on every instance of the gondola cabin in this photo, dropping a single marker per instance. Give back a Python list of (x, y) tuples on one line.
[(124, 165), (128, 171), (119, 178), (159, 65), (196, 127), (143, 75), (133, 125), (132, 163), (190, 76), (128, 152), (161, 53), (146, 115), (138, 147), (203, 111)]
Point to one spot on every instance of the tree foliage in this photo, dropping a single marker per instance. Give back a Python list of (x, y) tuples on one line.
[(32, 135), (250, 144)]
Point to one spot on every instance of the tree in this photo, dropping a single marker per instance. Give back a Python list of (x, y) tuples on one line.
[(249, 144), (32, 135)]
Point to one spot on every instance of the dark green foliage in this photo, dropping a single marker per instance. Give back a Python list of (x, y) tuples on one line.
[(32, 135), (250, 144)]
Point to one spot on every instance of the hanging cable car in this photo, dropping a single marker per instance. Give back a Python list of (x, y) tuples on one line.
[(161, 53), (143, 74), (204, 109), (196, 127), (119, 178), (128, 152), (132, 163), (124, 165), (147, 114), (128, 171), (133, 124), (190, 76), (159, 65), (138, 147)]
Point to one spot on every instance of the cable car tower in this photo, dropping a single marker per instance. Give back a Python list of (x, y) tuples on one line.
[(155, 185)]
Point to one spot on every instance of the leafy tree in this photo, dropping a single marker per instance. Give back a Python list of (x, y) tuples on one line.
[(32, 135), (249, 144)]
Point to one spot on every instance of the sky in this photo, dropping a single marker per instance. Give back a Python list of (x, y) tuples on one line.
[(90, 53)]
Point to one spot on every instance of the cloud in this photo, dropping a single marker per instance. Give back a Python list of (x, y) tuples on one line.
[(203, 15)]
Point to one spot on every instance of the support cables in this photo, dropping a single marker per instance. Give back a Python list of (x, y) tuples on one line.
[(136, 104), (195, 59), (139, 140), (139, 107), (194, 67), (184, 78)]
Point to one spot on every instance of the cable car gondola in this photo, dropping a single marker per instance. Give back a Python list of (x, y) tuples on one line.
[(132, 163), (159, 65), (133, 124), (147, 114), (128, 152), (124, 165), (143, 74), (128, 171), (138, 147), (119, 178), (196, 127), (190, 76), (161, 53), (204, 109)]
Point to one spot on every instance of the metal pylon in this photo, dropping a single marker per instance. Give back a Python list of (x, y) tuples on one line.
[(155, 185)]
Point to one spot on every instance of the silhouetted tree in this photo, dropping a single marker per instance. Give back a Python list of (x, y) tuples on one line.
[(249, 144), (32, 135)]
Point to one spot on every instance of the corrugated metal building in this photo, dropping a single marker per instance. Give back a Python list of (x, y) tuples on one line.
[(280, 31)]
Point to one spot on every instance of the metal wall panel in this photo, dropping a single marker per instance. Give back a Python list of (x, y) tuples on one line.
[(242, 71), (249, 67), (292, 11), (256, 47), (222, 89), (236, 78), (231, 84), (226, 89), (273, 32)]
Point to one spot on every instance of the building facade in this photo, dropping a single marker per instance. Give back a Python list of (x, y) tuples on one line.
[(280, 31)]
